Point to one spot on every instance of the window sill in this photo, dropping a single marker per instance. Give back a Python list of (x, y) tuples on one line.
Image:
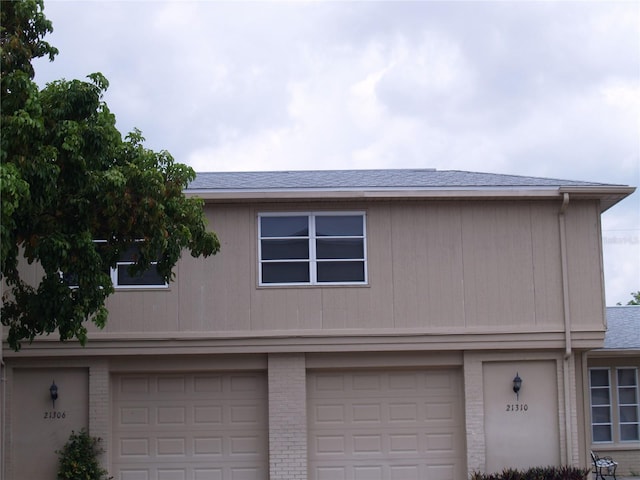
[(316, 285), (142, 289), (606, 447)]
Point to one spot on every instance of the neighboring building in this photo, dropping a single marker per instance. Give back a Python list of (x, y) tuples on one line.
[(611, 390), (356, 325)]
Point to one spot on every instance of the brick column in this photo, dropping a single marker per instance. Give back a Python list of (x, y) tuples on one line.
[(474, 412), (99, 414), (287, 417)]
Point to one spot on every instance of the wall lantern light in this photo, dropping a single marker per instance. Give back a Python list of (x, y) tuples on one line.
[(53, 391), (517, 385)]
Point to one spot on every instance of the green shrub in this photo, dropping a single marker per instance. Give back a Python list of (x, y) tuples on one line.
[(78, 460), (536, 473)]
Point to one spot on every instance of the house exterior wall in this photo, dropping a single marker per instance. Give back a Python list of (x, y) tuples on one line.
[(521, 431), (502, 430), (433, 266), (470, 287), (35, 424)]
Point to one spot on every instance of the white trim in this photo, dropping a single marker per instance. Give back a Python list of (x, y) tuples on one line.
[(614, 406), (312, 260), (610, 405), (619, 404), (145, 286)]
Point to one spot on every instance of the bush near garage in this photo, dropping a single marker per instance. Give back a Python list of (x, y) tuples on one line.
[(536, 473), (78, 460)]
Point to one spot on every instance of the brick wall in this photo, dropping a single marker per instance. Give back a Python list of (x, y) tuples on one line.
[(287, 417), (474, 412), (99, 419)]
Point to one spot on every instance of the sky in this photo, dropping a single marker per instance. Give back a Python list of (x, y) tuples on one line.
[(535, 88)]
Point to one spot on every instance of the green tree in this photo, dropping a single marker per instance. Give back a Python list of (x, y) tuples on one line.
[(635, 298), (68, 178)]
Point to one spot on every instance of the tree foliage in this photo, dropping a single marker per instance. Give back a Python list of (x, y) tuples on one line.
[(635, 299), (69, 178)]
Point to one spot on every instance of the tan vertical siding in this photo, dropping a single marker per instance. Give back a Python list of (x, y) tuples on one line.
[(498, 264), (428, 266), (547, 271), (223, 287), (286, 308), (431, 265), (584, 262), (143, 311)]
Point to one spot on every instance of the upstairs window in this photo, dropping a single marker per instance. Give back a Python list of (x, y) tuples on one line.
[(122, 278), (312, 248)]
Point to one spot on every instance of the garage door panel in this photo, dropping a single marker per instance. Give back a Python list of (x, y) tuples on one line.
[(366, 473), (190, 426), (195, 474), (208, 474), (127, 474), (395, 424), (387, 471), (245, 446)]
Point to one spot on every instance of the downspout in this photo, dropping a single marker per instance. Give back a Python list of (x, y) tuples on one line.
[(567, 331)]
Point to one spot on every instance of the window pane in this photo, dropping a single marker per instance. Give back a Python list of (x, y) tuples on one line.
[(340, 271), (285, 249), (148, 277), (629, 414), (289, 272), (132, 254), (601, 433), (70, 279), (600, 415), (339, 225), (340, 248), (284, 226), (599, 396), (599, 378), (629, 432), (627, 377), (627, 396)]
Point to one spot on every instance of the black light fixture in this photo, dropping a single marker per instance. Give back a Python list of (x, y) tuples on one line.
[(517, 385), (53, 391)]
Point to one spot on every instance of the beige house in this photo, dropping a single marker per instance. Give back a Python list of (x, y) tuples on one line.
[(361, 325)]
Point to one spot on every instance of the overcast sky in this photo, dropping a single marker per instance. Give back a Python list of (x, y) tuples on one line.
[(536, 88)]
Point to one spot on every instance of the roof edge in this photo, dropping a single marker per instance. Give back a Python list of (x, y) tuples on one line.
[(609, 195)]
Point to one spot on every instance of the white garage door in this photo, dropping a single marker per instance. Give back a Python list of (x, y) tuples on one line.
[(394, 425), (190, 427)]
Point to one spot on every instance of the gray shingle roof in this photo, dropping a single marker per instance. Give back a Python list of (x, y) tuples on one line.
[(623, 328), (369, 179)]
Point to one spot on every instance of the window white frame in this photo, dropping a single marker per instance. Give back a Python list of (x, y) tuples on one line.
[(312, 260), (123, 265), (114, 273), (628, 407), (623, 405), (600, 406)]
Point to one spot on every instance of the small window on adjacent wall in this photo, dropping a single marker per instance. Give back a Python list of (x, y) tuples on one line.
[(123, 278), (615, 407), (319, 248)]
